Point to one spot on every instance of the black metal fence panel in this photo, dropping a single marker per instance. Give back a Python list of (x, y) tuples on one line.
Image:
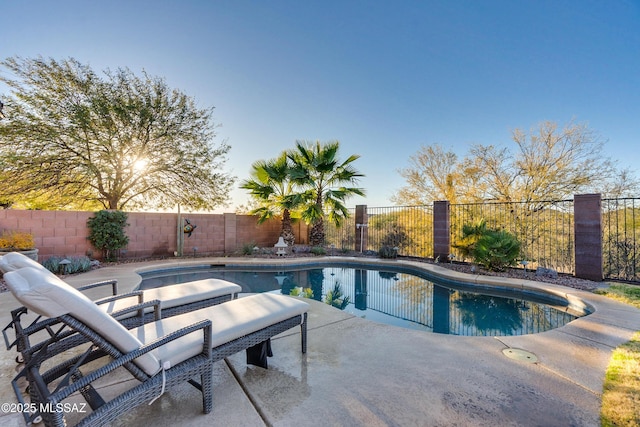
[(343, 237), (544, 229), (407, 228), (621, 237)]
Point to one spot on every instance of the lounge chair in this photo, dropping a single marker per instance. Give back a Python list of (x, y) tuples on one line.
[(174, 299), (159, 354)]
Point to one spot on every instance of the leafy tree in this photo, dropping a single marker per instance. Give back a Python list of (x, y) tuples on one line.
[(272, 187), (549, 163), (317, 169), (115, 140)]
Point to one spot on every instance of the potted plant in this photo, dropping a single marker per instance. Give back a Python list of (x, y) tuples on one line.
[(18, 241)]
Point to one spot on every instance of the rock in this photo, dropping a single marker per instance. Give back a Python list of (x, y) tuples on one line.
[(548, 272)]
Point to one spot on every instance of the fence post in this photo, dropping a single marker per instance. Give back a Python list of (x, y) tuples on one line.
[(588, 236), (441, 229), (362, 228)]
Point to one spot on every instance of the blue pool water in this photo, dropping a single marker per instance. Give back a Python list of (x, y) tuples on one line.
[(399, 297)]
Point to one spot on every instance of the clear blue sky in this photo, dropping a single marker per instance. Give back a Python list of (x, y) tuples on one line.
[(382, 77)]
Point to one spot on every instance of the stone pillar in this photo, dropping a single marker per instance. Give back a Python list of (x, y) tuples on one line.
[(587, 225), (441, 230), (230, 233), (362, 228)]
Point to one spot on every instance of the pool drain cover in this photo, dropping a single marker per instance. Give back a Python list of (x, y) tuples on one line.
[(519, 354)]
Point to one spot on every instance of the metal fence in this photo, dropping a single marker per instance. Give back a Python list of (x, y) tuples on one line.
[(408, 228), (341, 238), (544, 229), (621, 237)]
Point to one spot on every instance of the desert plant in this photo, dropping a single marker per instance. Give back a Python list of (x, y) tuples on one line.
[(388, 252), (493, 249), (17, 240), (497, 250), (318, 250), (76, 265), (106, 232), (248, 248), (470, 235)]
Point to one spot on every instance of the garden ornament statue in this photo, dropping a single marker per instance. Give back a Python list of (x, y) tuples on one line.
[(188, 227)]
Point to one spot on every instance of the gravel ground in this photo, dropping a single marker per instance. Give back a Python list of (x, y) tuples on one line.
[(561, 279)]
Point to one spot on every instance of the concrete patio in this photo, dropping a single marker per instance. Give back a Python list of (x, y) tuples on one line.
[(360, 373)]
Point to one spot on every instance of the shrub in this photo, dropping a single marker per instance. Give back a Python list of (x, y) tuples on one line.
[(247, 248), (497, 250), (106, 233), (17, 240), (396, 237), (388, 252), (318, 250), (493, 249), (77, 265)]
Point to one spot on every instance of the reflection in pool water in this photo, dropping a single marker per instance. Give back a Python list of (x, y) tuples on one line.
[(410, 300)]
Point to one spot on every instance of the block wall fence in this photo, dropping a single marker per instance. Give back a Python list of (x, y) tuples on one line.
[(64, 233)]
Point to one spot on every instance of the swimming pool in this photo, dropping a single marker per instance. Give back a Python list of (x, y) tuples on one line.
[(395, 296)]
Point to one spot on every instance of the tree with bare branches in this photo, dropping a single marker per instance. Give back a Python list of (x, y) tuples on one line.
[(547, 163)]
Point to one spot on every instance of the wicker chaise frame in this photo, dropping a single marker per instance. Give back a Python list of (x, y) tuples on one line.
[(22, 334), (72, 380), (199, 366)]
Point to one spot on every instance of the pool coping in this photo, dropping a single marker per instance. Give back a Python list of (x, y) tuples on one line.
[(485, 282)]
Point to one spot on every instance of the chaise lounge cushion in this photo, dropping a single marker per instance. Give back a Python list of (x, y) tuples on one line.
[(231, 320), (47, 295), (15, 261), (170, 296), (176, 295)]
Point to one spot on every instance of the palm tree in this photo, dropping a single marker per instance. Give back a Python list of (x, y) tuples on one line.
[(316, 169), (271, 185)]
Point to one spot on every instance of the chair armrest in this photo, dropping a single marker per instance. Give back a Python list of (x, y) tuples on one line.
[(204, 325), (138, 294), (156, 304), (113, 283)]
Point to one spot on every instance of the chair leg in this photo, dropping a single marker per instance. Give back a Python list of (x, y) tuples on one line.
[(303, 333), (207, 390)]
